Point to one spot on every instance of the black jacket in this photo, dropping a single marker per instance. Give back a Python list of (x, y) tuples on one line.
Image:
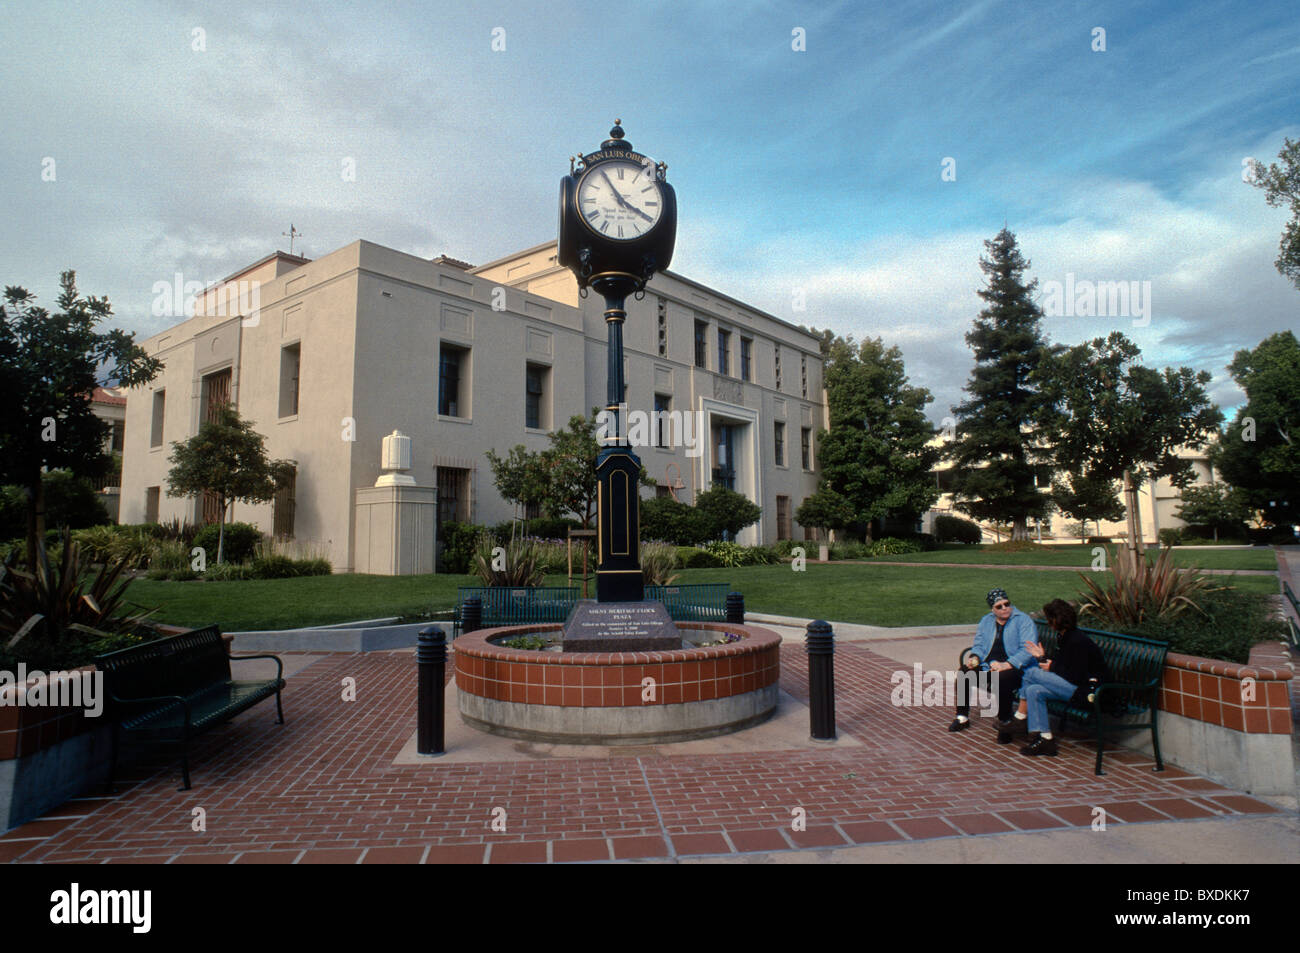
[(1077, 660)]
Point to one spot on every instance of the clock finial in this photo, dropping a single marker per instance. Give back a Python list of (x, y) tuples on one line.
[(616, 141)]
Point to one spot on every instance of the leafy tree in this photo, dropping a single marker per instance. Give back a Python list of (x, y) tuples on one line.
[(1215, 505), (50, 365), (993, 455), (520, 477), (1087, 498), (876, 457), (1111, 418), (825, 509), (1260, 452), (561, 478), (226, 457), (726, 511), (672, 521), (1281, 185)]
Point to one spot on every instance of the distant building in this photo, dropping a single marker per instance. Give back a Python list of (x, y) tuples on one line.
[(110, 404), (328, 357), (1157, 504)]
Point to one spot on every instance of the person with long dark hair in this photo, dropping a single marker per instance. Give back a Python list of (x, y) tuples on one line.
[(1076, 662)]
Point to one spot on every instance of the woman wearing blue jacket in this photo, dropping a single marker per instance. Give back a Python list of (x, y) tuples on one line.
[(999, 648)]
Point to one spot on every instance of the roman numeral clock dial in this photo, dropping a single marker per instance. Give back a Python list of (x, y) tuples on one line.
[(620, 200)]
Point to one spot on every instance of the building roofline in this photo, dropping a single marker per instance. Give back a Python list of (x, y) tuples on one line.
[(519, 254), (296, 259), (553, 243)]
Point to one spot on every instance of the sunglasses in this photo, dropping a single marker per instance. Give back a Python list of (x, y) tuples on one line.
[(1003, 605)]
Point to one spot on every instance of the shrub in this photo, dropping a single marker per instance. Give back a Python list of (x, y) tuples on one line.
[(96, 542), (785, 547), (891, 546), (531, 642), (847, 550), (228, 572), (1016, 546), (553, 555), (273, 567), (169, 556), (726, 510), (954, 529), (693, 557), (1099, 541), (659, 563), (521, 562), (241, 540), (727, 554), (1228, 624), (314, 567), (1170, 537), (761, 556), (1138, 591), (69, 501), (58, 614), (674, 522), (458, 541)]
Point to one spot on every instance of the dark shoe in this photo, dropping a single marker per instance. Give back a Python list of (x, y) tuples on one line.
[(1016, 726), (1004, 737), (1044, 747), (959, 725)]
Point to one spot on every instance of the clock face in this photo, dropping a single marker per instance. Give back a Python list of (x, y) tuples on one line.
[(620, 200)]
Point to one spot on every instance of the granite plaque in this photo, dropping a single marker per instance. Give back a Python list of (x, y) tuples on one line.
[(620, 627)]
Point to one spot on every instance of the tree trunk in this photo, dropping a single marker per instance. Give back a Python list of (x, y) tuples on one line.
[(35, 518), (1134, 542), (1020, 528), (221, 532)]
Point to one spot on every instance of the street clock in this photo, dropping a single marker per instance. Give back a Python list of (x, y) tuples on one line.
[(618, 216)]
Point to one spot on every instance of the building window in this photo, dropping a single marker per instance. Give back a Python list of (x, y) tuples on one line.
[(663, 326), (803, 373), (724, 351), (215, 394), (453, 496), (535, 415), (701, 344), (453, 367), (156, 428), (662, 434), (780, 444), (778, 367), (152, 496), (805, 447), (746, 356), (290, 363), (117, 439), (285, 504), (783, 528)]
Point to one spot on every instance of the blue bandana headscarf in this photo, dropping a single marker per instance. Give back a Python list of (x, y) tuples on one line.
[(996, 594)]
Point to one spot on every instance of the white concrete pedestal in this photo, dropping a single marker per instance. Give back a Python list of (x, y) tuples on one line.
[(395, 529)]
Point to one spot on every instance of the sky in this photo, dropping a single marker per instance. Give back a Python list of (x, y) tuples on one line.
[(836, 165)]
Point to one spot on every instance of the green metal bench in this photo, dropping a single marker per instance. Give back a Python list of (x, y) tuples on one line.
[(168, 691), (516, 605), (1136, 668), (1293, 630), (523, 605), (701, 602)]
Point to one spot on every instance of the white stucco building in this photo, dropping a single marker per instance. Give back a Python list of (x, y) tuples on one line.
[(327, 357)]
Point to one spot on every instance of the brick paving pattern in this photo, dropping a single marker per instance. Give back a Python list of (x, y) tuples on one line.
[(323, 789)]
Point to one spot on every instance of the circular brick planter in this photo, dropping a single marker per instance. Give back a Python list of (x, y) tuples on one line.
[(614, 698)]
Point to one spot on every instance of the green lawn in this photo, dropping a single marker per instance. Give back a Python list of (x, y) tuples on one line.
[(1082, 556), (862, 592)]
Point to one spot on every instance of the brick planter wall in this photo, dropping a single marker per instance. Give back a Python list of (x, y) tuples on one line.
[(597, 697), (1210, 725), (50, 753)]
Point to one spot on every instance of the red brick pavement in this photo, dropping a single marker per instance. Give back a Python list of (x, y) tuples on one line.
[(323, 789)]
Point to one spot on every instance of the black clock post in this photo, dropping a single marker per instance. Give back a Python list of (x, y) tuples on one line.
[(618, 224)]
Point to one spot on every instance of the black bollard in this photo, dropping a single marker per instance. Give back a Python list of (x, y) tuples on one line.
[(820, 643), (735, 608), (471, 615), (431, 663)]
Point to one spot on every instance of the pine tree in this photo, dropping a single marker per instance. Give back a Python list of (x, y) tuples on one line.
[(995, 459)]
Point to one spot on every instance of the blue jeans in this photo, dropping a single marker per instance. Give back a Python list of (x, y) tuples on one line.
[(1036, 687)]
